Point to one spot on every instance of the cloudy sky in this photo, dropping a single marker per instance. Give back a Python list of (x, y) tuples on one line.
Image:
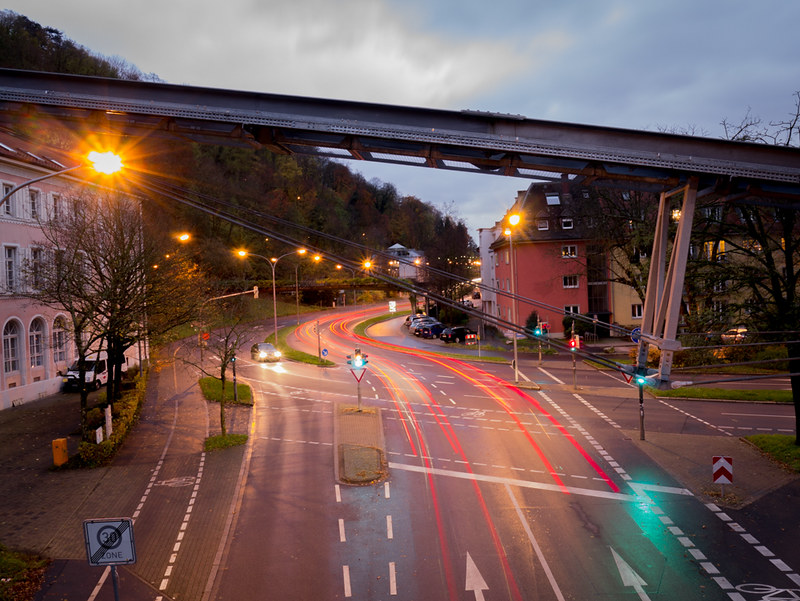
[(638, 64)]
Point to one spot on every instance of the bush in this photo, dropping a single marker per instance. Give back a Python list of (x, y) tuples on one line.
[(127, 411)]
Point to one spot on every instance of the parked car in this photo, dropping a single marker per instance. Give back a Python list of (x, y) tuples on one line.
[(432, 330), (96, 374), (264, 351), (418, 323), (460, 334), (734, 335), (410, 318)]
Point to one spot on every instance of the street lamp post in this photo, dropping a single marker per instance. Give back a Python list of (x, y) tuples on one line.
[(513, 220), (353, 272), (273, 262)]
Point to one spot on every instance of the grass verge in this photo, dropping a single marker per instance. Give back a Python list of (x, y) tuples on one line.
[(780, 447), (728, 394), (293, 354), (218, 442), (212, 391), (21, 575)]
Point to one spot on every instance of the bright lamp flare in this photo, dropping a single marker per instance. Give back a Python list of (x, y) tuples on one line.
[(105, 162), (514, 219)]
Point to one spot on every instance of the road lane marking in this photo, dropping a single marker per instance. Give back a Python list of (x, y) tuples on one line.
[(342, 537), (389, 529), (549, 375), (338, 493), (348, 592), (386, 491), (514, 482), (392, 579), (545, 566)]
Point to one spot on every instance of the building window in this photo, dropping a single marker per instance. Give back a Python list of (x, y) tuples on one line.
[(34, 203), (570, 281), (572, 309), (36, 341), (56, 207), (8, 208), (542, 224), (11, 347), (636, 311), (569, 251), (567, 223), (10, 259), (552, 199), (59, 340)]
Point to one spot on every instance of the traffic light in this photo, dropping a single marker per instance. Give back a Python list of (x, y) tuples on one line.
[(358, 359), (537, 331), (575, 343)]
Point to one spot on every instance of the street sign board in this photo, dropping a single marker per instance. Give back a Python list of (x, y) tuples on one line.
[(324, 352), (109, 541), (392, 306), (358, 373), (722, 469), (636, 334)]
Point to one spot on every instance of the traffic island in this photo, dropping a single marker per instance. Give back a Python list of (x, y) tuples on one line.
[(358, 435)]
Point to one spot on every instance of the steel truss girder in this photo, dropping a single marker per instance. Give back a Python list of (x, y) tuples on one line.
[(661, 311), (478, 142)]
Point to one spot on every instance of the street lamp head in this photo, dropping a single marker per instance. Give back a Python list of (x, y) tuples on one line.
[(514, 219), (184, 237), (105, 162), (317, 258), (507, 231), (367, 264), (242, 253), (302, 251)]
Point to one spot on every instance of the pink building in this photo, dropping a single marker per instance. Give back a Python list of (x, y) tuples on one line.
[(36, 341)]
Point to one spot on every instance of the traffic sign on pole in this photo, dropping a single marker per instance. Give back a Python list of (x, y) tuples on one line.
[(358, 373), (109, 542), (722, 469)]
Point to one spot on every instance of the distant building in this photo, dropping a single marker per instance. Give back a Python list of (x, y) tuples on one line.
[(406, 264)]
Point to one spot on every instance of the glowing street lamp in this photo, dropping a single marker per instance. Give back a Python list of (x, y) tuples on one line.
[(272, 263), (513, 221), (102, 162)]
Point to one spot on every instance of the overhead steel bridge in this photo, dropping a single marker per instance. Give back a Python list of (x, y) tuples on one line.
[(470, 141)]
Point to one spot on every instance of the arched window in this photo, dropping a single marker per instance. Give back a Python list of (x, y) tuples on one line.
[(11, 347), (59, 340), (36, 342)]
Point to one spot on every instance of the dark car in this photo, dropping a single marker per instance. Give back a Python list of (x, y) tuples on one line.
[(432, 330), (417, 324), (460, 334)]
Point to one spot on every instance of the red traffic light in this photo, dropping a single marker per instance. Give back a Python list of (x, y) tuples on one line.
[(574, 343)]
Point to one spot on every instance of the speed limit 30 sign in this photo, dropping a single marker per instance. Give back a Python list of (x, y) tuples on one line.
[(109, 541)]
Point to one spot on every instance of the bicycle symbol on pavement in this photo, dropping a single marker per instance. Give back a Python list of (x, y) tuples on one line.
[(769, 592)]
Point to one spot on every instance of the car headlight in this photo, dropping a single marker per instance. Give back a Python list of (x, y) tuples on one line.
[(277, 353), (262, 355)]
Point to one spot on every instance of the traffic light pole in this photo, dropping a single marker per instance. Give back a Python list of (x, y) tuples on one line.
[(641, 411)]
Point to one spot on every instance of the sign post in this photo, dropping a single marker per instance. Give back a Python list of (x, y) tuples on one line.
[(109, 542), (722, 471)]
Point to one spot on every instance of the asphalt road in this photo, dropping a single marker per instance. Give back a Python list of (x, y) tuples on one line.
[(494, 492)]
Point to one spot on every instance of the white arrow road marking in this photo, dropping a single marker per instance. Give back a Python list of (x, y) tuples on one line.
[(475, 581), (629, 577)]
